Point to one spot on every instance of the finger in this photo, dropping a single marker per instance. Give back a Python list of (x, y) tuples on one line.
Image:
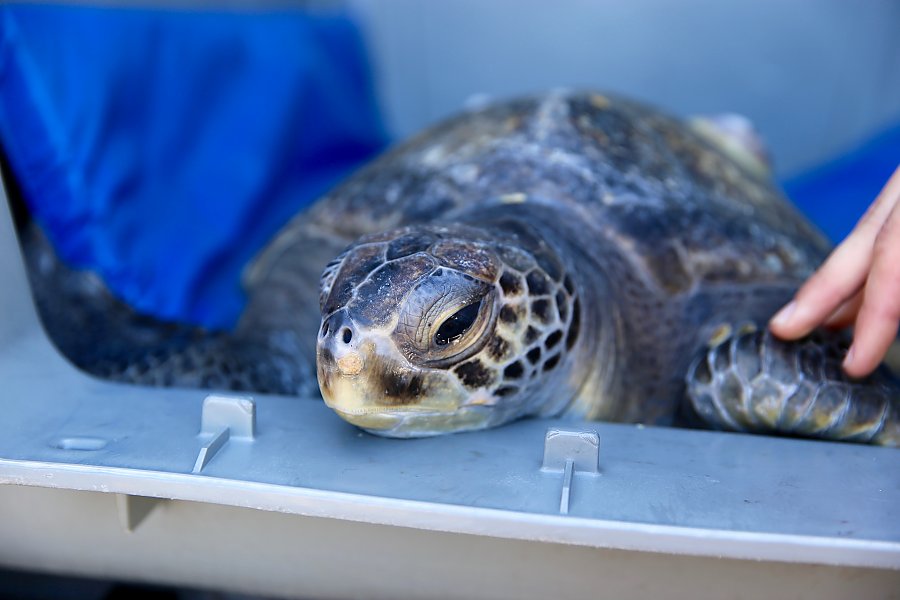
[(843, 273), (846, 313), (879, 315), (839, 278)]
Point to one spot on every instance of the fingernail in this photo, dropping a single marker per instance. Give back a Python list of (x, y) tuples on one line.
[(784, 315), (848, 360)]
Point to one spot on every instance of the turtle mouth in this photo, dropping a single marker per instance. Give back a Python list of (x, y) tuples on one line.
[(387, 398), (362, 402), (369, 419), (366, 379), (400, 423)]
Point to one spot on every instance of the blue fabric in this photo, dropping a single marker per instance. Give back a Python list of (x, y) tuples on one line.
[(836, 194), (162, 148)]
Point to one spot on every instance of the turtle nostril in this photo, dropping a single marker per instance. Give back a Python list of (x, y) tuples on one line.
[(325, 328), (346, 335)]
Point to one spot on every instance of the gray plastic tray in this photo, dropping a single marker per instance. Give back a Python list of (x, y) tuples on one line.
[(673, 492)]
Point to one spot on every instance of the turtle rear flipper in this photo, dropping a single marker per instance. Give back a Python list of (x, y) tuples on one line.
[(754, 382), (107, 338)]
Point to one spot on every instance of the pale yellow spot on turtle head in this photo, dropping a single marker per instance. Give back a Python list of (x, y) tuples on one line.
[(350, 364)]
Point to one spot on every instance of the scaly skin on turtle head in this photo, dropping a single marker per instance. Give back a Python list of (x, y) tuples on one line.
[(436, 329)]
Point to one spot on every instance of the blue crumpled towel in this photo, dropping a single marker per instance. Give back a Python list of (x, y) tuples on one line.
[(163, 148)]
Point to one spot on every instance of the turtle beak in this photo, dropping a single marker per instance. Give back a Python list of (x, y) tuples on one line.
[(344, 360), (339, 346), (366, 381)]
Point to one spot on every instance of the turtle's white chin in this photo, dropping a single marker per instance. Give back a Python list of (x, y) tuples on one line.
[(357, 385), (426, 418), (409, 424)]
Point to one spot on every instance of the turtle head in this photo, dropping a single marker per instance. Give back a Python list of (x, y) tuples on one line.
[(429, 330)]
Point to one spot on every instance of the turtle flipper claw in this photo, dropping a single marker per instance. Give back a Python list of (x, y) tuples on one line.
[(751, 381)]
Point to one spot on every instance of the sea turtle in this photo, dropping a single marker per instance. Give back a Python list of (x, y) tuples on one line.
[(571, 253)]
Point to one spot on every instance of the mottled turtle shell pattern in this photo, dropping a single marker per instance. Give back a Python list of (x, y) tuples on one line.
[(690, 238)]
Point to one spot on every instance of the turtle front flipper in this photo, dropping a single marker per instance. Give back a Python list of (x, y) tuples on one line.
[(751, 381)]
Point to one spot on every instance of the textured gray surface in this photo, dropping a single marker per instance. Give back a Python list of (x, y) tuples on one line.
[(306, 459)]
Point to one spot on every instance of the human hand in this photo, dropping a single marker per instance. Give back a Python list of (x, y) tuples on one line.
[(859, 283)]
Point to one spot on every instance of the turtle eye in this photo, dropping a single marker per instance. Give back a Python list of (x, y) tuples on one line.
[(456, 325)]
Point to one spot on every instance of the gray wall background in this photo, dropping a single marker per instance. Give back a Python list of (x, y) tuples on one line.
[(816, 77)]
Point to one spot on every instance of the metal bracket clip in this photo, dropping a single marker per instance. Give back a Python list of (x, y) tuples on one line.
[(223, 418), (568, 451)]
